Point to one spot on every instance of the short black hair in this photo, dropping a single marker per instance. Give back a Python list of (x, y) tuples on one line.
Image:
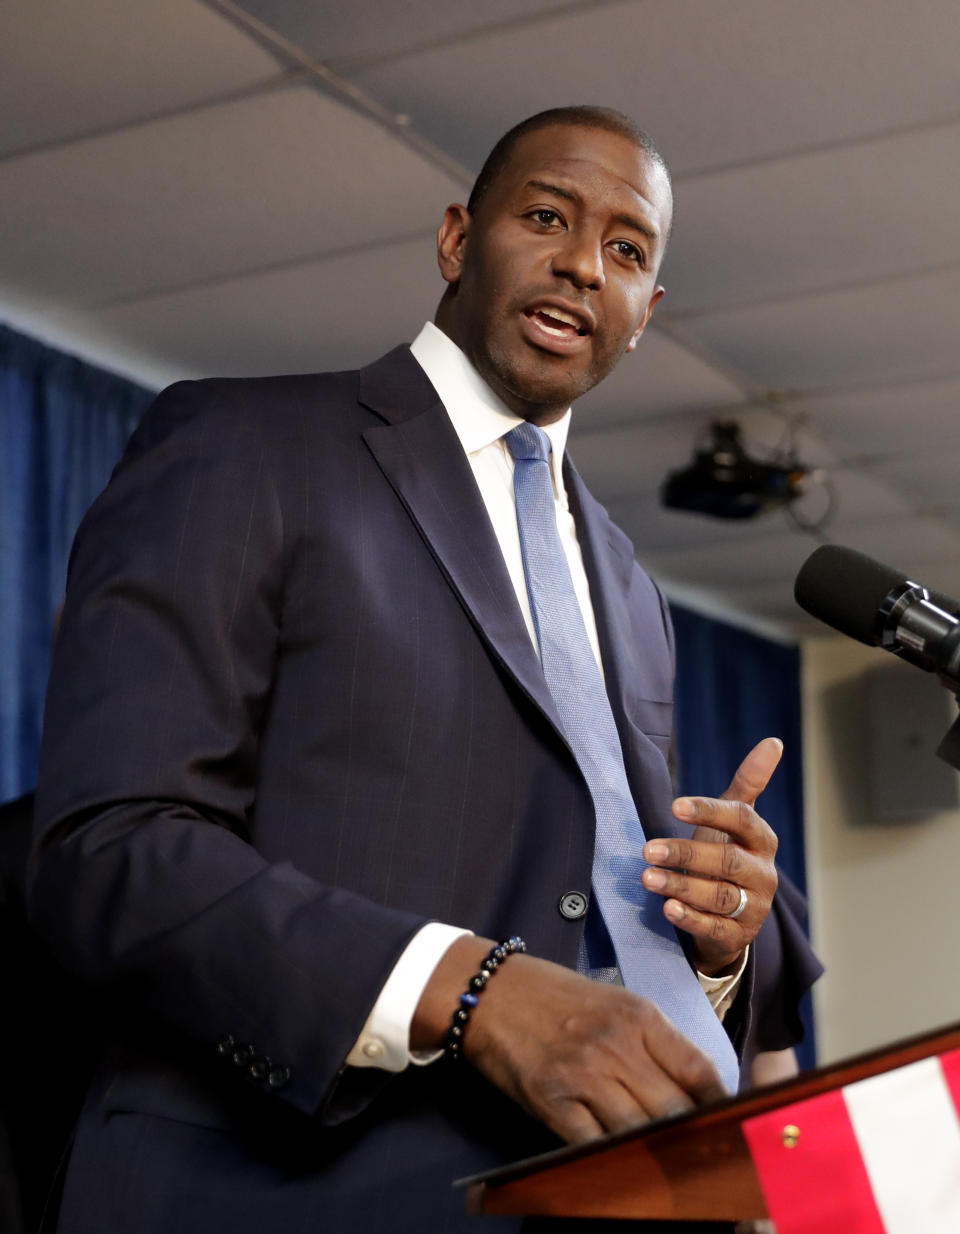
[(582, 116)]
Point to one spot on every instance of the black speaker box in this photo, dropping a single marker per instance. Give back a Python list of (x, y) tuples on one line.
[(908, 713)]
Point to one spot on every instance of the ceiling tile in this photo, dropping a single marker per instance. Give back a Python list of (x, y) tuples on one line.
[(282, 321), (655, 529), (627, 460), (769, 435), (330, 32), (623, 462), (901, 419), (858, 498), (99, 64), (77, 334), (919, 546), (939, 574), (930, 476), (741, 558), (906, 328), (660, 378), (816, 221), (632, 459), (233, 188), (715, 83), (774, 601), (283, 231)]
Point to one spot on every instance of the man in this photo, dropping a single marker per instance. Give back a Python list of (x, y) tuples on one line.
[(310, 741)]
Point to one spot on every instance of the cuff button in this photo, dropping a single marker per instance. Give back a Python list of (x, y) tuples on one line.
[(278, 1076), (373, 1049)]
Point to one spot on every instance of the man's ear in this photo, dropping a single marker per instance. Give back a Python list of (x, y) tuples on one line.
[(657, 295), (451, 242)]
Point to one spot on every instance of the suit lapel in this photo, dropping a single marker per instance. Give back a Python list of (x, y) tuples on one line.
[(420, 454)]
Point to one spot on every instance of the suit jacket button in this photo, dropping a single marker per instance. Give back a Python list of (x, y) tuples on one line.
[(278, 1076), (573, 905), (242, 1055), (226, 1046)]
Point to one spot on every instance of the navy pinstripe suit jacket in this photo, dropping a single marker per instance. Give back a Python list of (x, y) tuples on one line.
[(294, 714)]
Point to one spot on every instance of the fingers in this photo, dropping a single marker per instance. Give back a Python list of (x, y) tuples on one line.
[(702, 880), (726, 937), (573, 1122), (620, 1097), (607, 1107), (702, 908), (702, 887), (705, 859), (719, 942), (736, 820), (584, 1058), (615, 1108), (693, 1072), (731, 813), (703, 894), (731, 848)]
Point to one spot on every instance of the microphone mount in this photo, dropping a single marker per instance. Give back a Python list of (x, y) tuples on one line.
[(880, 607), (913, 626)]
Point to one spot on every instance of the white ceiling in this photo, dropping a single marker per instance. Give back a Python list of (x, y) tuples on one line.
[(208, 186)]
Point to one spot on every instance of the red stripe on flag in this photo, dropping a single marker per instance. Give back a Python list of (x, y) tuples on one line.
[(820, 1184), (950, 1064)]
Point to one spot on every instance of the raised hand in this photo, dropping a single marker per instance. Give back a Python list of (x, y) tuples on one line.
[(718, 885)]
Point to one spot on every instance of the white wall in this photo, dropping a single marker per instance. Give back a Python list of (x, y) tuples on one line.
[(885, 897)]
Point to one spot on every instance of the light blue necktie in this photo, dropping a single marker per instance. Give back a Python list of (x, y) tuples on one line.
[(647, 951)]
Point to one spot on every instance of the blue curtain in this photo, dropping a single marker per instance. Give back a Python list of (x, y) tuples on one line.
[(63, 425), (732, 689)]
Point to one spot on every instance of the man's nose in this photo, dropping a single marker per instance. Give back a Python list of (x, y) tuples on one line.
[(579, 258)]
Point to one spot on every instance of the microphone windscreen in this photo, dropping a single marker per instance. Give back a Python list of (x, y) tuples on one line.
[(846, 589)]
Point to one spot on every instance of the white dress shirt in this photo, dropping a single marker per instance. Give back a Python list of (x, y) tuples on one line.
[(481, 420)]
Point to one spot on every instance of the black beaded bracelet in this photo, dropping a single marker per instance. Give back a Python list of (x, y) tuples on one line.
[(476, 986)]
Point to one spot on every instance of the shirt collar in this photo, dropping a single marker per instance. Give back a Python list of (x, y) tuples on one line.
[(478, 416)]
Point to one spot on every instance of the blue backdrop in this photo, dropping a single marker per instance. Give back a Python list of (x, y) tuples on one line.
[(732, 689), (64, 425)]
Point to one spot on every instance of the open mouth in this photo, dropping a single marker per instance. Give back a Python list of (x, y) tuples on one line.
[(557, 322)]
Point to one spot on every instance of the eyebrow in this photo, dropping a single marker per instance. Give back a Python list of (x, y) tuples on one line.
[(627, 220)]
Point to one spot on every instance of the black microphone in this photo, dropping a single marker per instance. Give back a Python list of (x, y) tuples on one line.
[(881, 607)]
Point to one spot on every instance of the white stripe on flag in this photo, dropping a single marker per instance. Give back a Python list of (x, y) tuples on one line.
[(909, 1135)]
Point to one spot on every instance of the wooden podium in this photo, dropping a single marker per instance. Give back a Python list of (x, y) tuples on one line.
[(695, 1167)]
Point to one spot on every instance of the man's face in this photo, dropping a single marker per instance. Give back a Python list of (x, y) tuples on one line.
[(555, 275)]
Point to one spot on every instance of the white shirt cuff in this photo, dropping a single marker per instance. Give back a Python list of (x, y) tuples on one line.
[(721, 991), (384, 1041)]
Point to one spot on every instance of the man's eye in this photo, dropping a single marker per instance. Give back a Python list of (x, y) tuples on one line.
[(546, 217), (628, 250)]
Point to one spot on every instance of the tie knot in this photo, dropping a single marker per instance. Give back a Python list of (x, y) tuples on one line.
[(528, 442)]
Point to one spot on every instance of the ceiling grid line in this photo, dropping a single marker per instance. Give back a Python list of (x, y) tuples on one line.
[(320, 75), (246, 272), (285, 81)]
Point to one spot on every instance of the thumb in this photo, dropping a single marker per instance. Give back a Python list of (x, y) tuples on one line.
[(753, 774)]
